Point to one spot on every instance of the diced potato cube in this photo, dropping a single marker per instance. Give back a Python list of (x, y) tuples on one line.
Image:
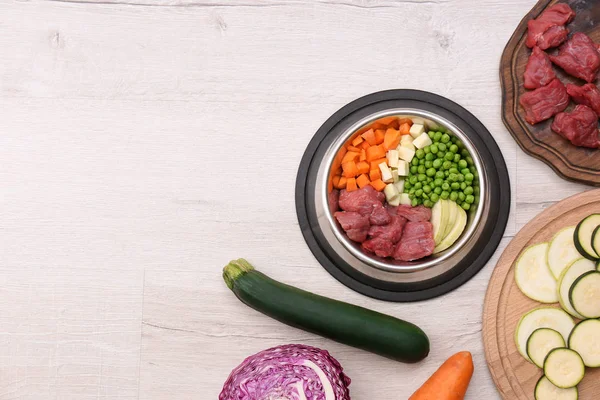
[(418, 120), (400, 185), (395, 201), (403, 168), (390, 192), (408, 145), (392, 158), (406, 154), (404, 199), (406, 139), (416, 130), (422, 141), (386, 173), (395, 176)]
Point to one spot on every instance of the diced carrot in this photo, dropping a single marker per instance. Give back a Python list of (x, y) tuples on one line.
[(378, 125), (329, 185), (369, 136), (363, 155), (378, 185), (338, 171), (337, 161), (374, 152), (350, 169), (336, 180), (362, 181), (375, 174), (354, 149), (379, 136), (394, 124), (351, 156), (392, 139), (405, 121), (364, 145), (351, 185), (387, 120), (375, 163), (363, 167), (342, 183), (357, 140), (404, 129)]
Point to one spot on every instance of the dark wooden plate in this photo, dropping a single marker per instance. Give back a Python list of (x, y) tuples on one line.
[(570, 162)]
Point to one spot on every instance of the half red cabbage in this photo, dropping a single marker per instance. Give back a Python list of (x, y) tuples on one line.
[(289, 372)]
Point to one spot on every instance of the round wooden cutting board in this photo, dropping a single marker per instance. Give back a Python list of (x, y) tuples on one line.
[(568, 161), (504, 305)]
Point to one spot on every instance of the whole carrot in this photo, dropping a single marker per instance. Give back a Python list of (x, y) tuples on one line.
[(450, 381)]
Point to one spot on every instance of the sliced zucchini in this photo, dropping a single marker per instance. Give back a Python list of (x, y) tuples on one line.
[(546, 317), (533, 276), (562, 251), (596, 240), (585, 294), (541, 342), (455, 232), (545, 390), (564, 368), (568, 276), (585, 339), (451, 219), (582, 237), (439, 219)]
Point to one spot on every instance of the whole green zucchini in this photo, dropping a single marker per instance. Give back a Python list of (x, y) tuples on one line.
[(345, 323)]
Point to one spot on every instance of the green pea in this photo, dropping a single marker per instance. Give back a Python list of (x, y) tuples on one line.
[(468, 190), (476, 199), (420, 153), (462, 164), (417, 185), (446, 173), (447, 165), (463, 186), (445, 138), (425, 196), (428, 164), (434, 197), (415, 161), (453, 171), (452, 177), (413, 169), (453, 196), (449, 156), (421, 169), (437, 136), (421, 177), (466, 206), (439, 174), (431, 172), (426, 149), (455, 166), (445, 195), (460, 144), (413, 179), (419, 192), (470, 160), (445, 186), (438, 182), (455, 186), (437, 163), (434, 148), (461, 177), (469, 177), (456, 158), (427, 189), (454, 139), (476, 190), (411, 195), (442, 146), (422, 161), (465, 171), (470, 199), (453, 149), (407, 185), (429, 156), (428, 203), (461, 196), (414, 202), (431, 134), (437, 190), (465, 153)]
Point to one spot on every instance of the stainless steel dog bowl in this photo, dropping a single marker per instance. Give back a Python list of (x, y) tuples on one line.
[(385, 278)]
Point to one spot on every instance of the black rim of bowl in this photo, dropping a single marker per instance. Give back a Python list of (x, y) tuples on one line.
[(499, 194)]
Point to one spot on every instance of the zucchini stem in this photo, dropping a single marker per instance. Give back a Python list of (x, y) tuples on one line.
[(234, 270)]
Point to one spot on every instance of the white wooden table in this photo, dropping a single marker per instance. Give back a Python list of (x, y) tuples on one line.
[(145, 143)]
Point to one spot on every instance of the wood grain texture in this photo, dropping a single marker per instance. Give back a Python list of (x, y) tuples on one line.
[(570, 162), (505, 304), (133, 138)]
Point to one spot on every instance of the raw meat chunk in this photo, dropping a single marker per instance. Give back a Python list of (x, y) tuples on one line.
[(333, 199), (391, 232), (579, 57), (553, 37), (361, 201), (579, 126), (381, 247), (417, 241), (355, 225), (380, 215), (588, 95), (557, 15), (541, 104), (415, 214), (539, 70)]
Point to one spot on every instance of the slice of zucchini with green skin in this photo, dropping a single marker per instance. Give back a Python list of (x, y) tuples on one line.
[(345, 323), (583, 236), (564, 368), (533, 276), (585, 340), (545, 390), (562, 251), (545, 317), (568, 276), (596, 240), (585, 294), (541, 342)]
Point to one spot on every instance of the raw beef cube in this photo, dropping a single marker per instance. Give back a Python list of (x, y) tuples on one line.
[(417, 241), (355, 225), (333, 199), (391, 231), (415, 214), (539, 70), (553, 37), (588, 95), (579, 126), (579, 57), (381, 247), (541, 104), (380, 215), (557, 15), (361, 201)]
